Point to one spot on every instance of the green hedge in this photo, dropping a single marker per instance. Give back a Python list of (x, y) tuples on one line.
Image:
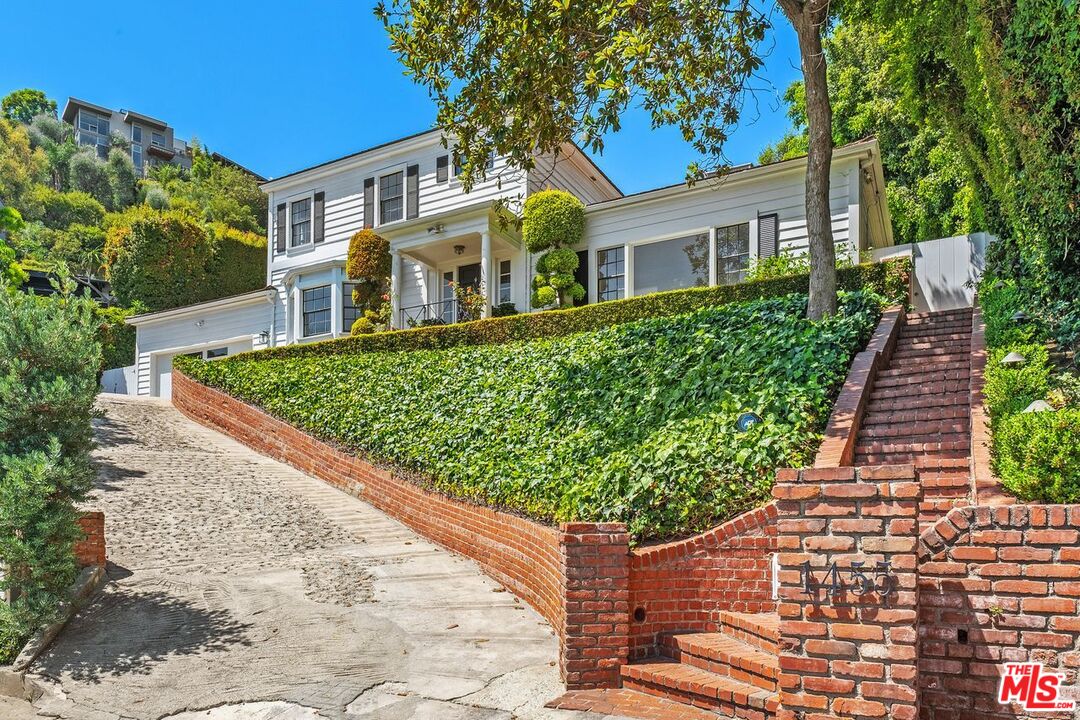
[(889, 279), (632, 423), (1036, 455)]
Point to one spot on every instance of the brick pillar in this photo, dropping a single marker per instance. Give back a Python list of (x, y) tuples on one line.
[(91, 549), (845, 655), (596, 597)]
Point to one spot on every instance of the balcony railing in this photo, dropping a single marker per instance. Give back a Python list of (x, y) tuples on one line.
[(440, 312)]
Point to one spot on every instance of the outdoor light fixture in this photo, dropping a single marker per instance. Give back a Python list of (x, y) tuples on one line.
[(458, 249), (747, 420), (264, 336), (1013, 358), (1038, 406), (436, 229), (1020, 316), (200, 323)]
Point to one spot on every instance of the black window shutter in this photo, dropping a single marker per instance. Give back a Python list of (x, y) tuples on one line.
[(369, 203), (279, 230), (412, 191), (767, 231), (319, 217), (442, 168)]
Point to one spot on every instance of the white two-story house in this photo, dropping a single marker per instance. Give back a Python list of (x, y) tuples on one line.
[(407, 191)]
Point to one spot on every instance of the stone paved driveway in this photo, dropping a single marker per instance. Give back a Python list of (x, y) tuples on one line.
[(241, 588)]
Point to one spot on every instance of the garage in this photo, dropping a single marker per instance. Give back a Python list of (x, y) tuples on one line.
[(163, 363)]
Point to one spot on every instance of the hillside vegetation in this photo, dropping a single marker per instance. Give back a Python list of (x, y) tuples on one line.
[(635, 422)]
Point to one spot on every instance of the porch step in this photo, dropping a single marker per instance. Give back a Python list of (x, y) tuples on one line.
[(673, 680), (762, 630), (724, 655)]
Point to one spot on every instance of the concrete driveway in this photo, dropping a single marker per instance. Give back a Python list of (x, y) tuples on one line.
[(241, 588)]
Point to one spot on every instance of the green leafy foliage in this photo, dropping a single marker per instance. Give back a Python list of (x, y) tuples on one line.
[(369, 264), (238, 262), (214, 191), (890, 278), (1035, 454), (23, 105), (58, 210), (634, 423), (49, 360), (554, 221), (117, 338)]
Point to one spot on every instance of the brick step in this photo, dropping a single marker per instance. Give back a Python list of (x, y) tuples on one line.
[(916, 445), (762, 630), (919, 376), (953, 483), (930, 427), (937, 388), (944, 334), (938, 463), (910, 346), (724, 655), (918, 402), (938, 315), (673, 680), (954, 324), (945, 413), (932, 509), (863, 458), (930, 367), (911, 357)]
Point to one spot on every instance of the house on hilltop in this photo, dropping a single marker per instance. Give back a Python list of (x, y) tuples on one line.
[(407, 191)]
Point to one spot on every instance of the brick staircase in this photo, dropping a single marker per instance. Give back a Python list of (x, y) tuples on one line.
[(919, 409), (732, 672)]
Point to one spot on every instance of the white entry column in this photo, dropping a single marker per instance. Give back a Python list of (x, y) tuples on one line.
[(485, 271), (395, 289)]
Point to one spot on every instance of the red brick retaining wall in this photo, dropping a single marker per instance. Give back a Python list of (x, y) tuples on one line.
[(684, 585), (848, 654), (575, 576), (91, 549), (997, 584)]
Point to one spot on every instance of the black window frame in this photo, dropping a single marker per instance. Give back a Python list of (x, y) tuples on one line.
[(732, 277), (616, 271), (349, 312)]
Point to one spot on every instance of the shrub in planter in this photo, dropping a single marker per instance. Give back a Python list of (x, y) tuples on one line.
[(554, 220), (49, 360)]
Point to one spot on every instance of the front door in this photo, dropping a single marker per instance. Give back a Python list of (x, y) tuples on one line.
[(469, 276)]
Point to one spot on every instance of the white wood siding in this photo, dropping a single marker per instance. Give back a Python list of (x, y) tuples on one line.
[(572, 172), (184, 334)]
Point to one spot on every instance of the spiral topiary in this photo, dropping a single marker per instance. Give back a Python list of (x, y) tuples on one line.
[(368, 265), (554, 220)]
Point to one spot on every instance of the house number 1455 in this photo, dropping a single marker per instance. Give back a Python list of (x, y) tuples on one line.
[(858, 579)]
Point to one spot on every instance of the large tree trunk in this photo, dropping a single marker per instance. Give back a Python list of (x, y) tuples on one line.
[(808, 18)]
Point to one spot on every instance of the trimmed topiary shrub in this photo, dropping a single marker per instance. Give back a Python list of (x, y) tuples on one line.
[(554, 220), (1037, 455), (368, 265), (239, 261), (554, 323), (633, 423)]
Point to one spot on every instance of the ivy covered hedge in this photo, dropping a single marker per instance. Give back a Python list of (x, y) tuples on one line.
[(1036, 454), (890, 279), (634, 422)]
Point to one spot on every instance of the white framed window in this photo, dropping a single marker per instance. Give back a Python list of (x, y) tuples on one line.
[(316, 313), (732, 253), (300, 222), (349, 312), (671, 264), (391, 197), (505, 276), (611, 273)]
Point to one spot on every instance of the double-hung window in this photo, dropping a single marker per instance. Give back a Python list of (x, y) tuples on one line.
[(391, 197), (349, 311), (316, 311), (504, 281), (610, 274), (732, 253), (301, 223)]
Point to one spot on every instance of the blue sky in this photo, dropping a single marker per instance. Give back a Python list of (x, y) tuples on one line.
[(280, 85)]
